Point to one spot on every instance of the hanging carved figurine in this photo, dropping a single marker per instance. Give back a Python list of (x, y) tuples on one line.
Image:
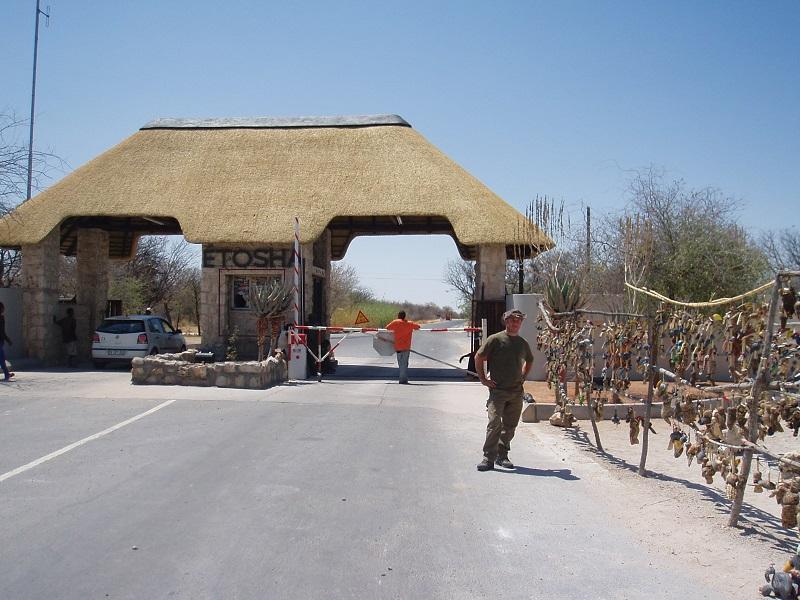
[(688, 411), (662, 395), (707, 470), (790, 465), (758, 486), (788, 300), (633, 424), (731, 481), (692, 450), (677, 439), (789, 504)]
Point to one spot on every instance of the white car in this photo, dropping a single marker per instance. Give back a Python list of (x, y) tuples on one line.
[(119, 339)]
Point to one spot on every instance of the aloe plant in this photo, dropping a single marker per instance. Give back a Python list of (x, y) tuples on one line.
[(563, 295), (269, 300)]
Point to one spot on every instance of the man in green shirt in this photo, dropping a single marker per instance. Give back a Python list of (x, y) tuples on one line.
[(509, 359)]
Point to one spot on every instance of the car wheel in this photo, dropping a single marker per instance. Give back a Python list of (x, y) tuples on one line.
[(154, 351), (98, 364), (183, 348)]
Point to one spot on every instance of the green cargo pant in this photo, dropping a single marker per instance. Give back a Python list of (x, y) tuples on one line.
[(504, 408)]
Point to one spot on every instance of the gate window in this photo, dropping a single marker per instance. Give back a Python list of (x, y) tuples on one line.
[(241, 290)]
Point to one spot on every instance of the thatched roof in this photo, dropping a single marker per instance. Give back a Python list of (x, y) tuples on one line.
[(242, 181)]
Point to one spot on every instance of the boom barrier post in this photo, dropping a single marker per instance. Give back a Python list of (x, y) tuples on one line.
[(296, 280)]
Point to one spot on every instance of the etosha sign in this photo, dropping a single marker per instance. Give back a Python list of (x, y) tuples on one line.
[(244, 258)]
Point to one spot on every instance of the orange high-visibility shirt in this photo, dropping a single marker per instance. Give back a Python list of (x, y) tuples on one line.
[(402, 333)]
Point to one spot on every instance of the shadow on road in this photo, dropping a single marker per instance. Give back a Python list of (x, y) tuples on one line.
[(762, 524), (390, 372), (564, 474), (31, 366)]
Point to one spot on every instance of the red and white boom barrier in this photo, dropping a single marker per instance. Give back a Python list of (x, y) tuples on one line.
[(376, 329)]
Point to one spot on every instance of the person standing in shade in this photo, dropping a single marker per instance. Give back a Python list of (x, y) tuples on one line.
[(403, 331), (68, 335), (3, 339), (509, 359)]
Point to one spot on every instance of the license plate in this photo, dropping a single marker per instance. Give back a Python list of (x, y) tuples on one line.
[(116, 352)]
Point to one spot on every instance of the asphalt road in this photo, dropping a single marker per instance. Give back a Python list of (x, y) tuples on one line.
[(359, 360), (349, 488)]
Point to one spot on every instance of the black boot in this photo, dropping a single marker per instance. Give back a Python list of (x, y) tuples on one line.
[(503, 461), (486, 465)]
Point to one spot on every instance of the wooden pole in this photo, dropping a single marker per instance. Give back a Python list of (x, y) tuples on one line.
[(760, 384), (588, 392), (654, 334), (587, 387)]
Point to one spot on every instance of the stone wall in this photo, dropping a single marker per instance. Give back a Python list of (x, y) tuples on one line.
[(216, 320), (181, 369)]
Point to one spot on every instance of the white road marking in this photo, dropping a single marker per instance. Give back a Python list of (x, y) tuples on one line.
[(85, 440)]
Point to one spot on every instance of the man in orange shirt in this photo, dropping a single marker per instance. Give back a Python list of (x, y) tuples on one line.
[(402, 342)]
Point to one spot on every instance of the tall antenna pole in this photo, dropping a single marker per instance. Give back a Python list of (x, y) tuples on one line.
[(39, 11), (588, 239)]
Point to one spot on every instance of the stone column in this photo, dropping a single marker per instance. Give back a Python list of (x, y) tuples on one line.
[(210, 307), (490, 272), (40, 298), (92, 296)]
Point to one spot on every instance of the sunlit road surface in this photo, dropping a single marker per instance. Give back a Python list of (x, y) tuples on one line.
[(348, 488), (358, 359)]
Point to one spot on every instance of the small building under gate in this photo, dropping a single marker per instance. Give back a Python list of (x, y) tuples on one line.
[(235, 186)]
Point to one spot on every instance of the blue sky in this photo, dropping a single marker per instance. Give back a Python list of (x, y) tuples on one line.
[(556, 98)]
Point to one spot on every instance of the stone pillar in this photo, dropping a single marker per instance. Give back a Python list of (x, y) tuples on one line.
[(490, 272), (210, 307), (92, 288), (327, 267), (40, 298)]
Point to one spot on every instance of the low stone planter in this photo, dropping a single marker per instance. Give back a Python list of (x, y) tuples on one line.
[(181, 369)]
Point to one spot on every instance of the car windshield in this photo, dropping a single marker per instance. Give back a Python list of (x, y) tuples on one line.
[(121, 326)]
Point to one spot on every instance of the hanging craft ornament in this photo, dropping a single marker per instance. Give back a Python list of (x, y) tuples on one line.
[(633, 424), (758, 487)]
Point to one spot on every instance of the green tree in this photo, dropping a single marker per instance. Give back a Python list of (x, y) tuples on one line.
[(698, 250), (187, 299), (161, 267), (345, 287), (130, 290)]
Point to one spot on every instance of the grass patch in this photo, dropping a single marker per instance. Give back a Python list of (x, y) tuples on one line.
[(378, 313)]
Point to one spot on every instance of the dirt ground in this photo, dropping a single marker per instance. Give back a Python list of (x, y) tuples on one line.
[(545, 395), (674, 511), (637, 392)]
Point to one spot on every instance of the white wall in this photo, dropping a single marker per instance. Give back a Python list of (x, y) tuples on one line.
[(529, 304)]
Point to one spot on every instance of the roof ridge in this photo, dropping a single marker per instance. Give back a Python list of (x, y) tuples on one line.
[(277, 122)]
